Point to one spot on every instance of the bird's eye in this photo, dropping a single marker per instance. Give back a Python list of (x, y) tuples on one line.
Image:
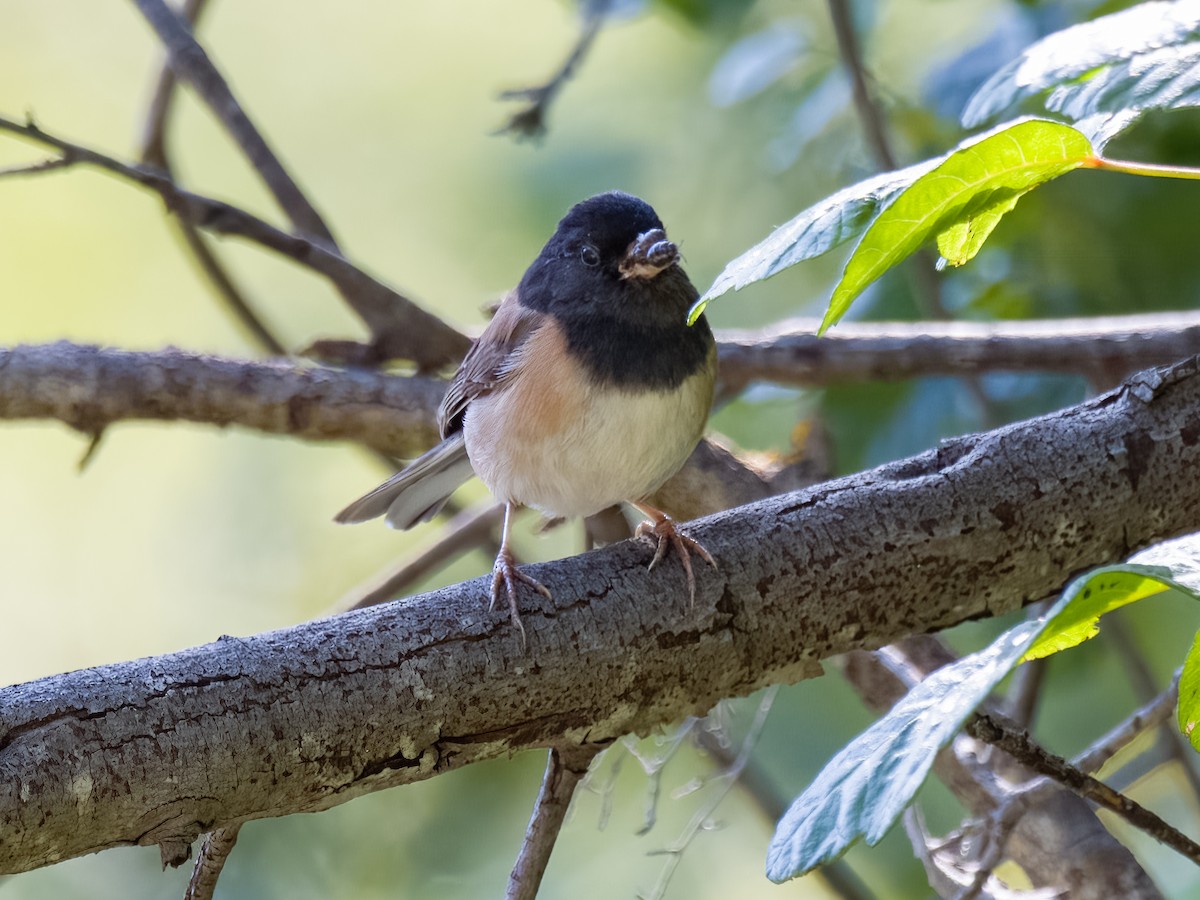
[(590, 255)]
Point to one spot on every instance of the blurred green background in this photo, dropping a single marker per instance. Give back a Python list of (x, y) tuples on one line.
[(176, 534)]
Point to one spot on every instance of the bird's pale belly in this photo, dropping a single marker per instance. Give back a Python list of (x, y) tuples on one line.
[(568, 448)]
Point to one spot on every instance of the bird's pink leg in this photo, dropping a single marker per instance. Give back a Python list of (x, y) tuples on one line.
[(662, 531), (506, 573)]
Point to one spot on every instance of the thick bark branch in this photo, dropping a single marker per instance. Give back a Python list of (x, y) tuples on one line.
[(90, 388), (1105, 348), (159, 750)]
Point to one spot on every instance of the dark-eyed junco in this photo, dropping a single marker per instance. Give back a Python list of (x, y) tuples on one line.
[(587, 388)]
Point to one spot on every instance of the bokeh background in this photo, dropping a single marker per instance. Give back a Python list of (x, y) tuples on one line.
[(729, 118)]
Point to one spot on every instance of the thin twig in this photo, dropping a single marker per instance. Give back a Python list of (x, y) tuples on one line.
[(416, 334), (564, 769), (868, 111), (1018, 745), (725, 780), (530, 121), (37, 168), (398, 327), (840, 878), (162, 100), (155, 152), (1175, 745), (191, 64), (210, 861), (1151, 715), (653, 766)]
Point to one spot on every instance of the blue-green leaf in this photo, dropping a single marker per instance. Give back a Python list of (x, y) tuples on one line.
[(1151, 37), (863, 790)]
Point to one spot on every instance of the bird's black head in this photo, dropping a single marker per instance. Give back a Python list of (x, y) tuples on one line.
[(613, 281), (612, 250)]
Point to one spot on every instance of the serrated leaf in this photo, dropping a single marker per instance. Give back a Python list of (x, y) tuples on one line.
[(816, 231), (1166, 78), (1083, 49), (1188, 712), (868, 784), (824, 225), (863, 790), (1095, 594), (961, 201)]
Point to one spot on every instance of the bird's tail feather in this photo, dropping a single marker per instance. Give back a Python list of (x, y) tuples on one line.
[(417, 492)]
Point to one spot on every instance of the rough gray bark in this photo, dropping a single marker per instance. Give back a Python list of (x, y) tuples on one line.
[(90, 388), (1105, 348), (159, 750)]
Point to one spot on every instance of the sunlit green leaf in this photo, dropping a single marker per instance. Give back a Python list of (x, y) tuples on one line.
[(1095, 594), (863, 790), (824, 226), (1189, 695), (817, 230), (960, 201), (1152, 37)]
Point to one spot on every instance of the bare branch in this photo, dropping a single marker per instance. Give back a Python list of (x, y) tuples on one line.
[(90, 388), (725, 782), (210, 861), (868, 111), (1151, 715), (400, 328), (38, 168), (162, 100), (155, 152), (158, 750), (791, 353), (530, 122), (564, 769), (190, 63), (1018, 745), (390, 316)]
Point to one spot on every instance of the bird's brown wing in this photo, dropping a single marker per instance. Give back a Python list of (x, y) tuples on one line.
[(488, 365)]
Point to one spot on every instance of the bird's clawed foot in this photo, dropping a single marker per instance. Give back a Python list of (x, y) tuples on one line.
[(662, 531), (505, 577)]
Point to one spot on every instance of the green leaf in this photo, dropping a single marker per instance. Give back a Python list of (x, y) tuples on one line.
[(823, 226), (1146, 36), (863, 790), (961, 201), (1099, 592), (1189, 695), (816, 231)]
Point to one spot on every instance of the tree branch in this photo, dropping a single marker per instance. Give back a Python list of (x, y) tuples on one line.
[(400, 328), (530, 121), (1110, 347), (1018, 745), (192, 65), (564, 770), (156, 751), (89, 388)]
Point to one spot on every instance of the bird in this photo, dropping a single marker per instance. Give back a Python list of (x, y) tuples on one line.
[(588, 388)]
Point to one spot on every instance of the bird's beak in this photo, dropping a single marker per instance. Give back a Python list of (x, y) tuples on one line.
[(650, 254)]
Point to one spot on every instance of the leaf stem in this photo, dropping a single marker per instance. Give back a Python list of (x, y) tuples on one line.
[(1153, 170)]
